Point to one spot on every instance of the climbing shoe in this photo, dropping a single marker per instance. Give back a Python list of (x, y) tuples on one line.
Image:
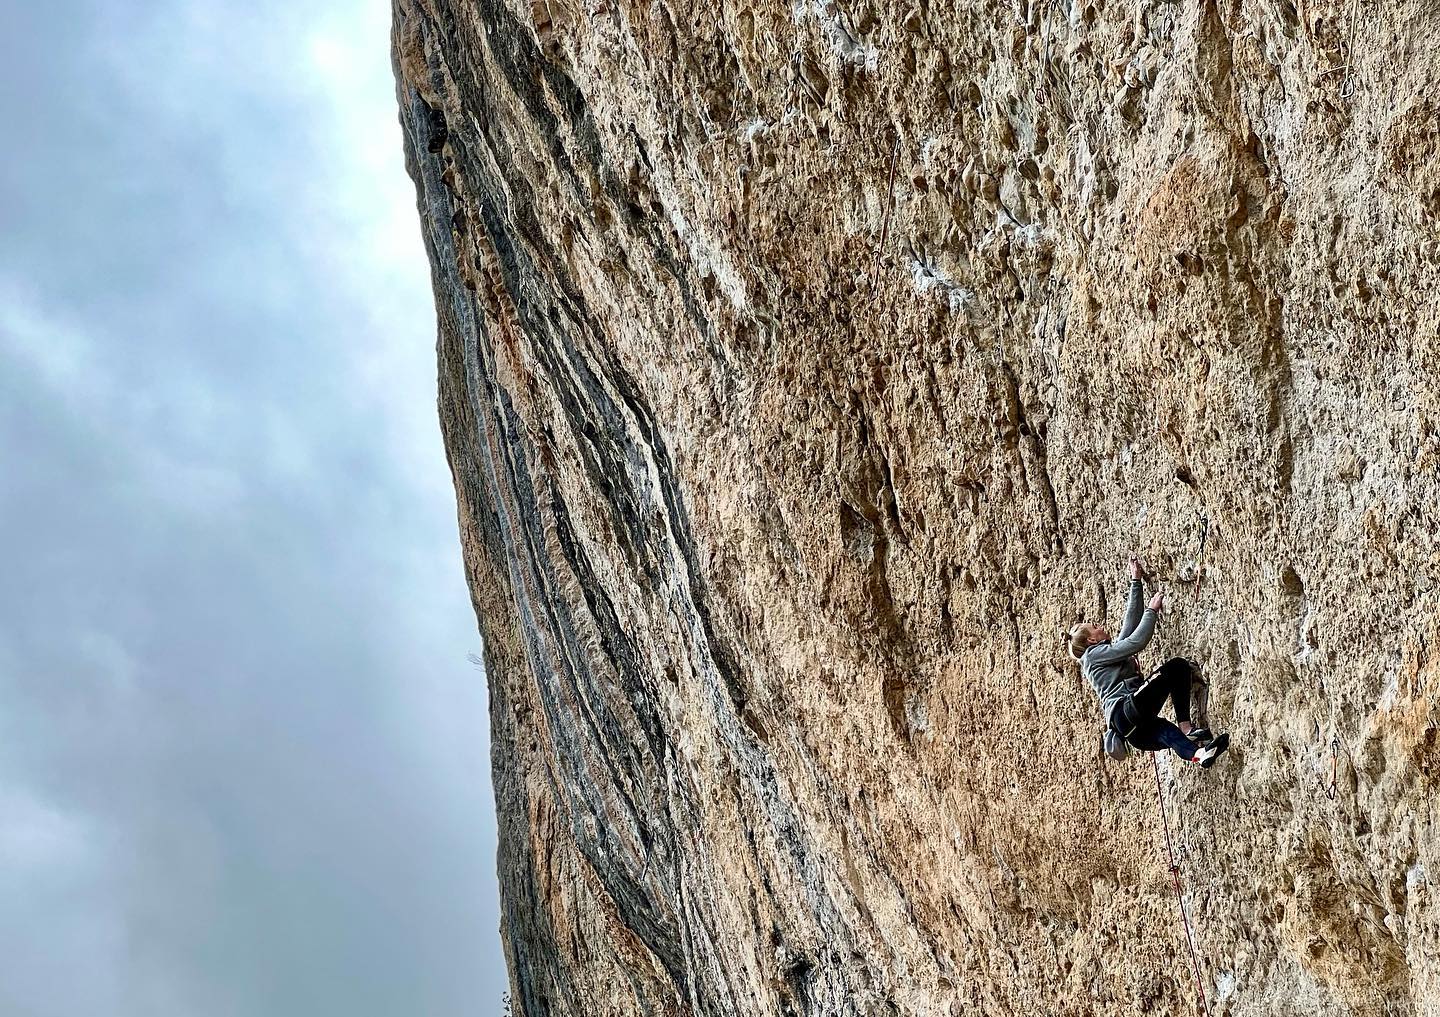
[(1200, 735), (1206, 757)]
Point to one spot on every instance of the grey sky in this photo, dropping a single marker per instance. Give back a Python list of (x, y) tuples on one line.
[(243, 759)]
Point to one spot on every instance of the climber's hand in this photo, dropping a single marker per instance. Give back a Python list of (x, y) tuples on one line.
[(1137, 568), (1157, 602)]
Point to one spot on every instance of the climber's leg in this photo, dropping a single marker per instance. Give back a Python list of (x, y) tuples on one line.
[(1171, 680), (1158, 734), (1179, 669), (1187, 688)]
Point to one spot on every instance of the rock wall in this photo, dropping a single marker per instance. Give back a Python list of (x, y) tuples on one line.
[(806, 370)]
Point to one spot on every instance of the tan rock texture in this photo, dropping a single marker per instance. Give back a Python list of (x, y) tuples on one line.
[(806, 370)]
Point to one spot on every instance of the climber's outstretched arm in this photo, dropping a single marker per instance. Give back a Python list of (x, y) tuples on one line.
[(1131, 644), (1134, 604)]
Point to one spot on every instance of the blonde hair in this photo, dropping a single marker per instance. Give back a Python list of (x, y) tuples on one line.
[(1077, 640)]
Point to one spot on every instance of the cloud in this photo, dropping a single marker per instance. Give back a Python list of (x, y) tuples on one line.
[(54, 878), (243, 753)]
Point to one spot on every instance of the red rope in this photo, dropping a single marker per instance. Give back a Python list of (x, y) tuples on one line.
[(1179, 895)]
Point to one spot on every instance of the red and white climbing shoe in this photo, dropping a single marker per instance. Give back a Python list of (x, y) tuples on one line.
[(1206, 756)]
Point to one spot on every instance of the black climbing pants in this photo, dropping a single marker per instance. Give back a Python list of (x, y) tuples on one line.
[(1171, 680)]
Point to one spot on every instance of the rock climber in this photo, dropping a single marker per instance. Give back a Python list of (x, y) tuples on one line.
[(1131, 704)]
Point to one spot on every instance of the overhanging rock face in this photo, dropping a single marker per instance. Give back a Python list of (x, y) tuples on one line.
[(806, 370)]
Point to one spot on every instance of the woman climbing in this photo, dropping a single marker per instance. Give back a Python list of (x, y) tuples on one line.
[(1131, 705)]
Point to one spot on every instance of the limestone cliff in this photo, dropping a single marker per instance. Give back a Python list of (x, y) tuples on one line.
[(806, 370)]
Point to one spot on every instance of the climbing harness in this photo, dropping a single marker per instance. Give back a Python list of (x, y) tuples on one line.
[(1179, 894)]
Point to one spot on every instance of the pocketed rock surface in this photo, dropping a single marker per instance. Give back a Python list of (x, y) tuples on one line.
[(806, 370)]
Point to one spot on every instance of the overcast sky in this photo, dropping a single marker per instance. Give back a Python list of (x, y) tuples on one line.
[(244, 768)]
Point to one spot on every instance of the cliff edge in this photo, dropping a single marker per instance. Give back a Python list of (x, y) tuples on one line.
[(807, 369)]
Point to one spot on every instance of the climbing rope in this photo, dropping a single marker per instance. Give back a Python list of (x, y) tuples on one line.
[(889, 209), (1179, 894), (1347, 87)]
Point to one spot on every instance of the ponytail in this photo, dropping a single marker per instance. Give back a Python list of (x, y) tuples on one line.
[(1077, 640)]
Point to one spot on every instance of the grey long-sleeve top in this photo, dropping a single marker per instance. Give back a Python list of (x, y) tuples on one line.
[(1108, 666)]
